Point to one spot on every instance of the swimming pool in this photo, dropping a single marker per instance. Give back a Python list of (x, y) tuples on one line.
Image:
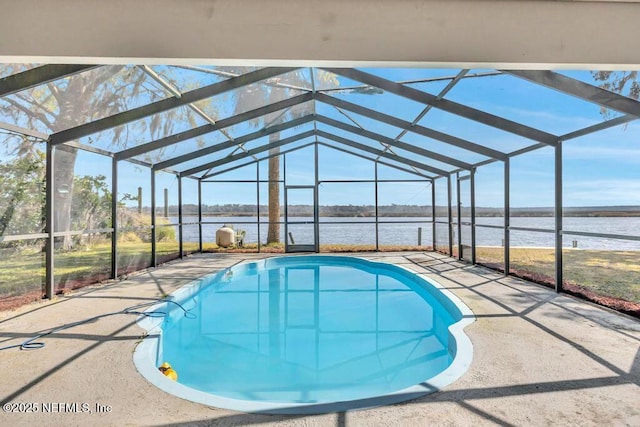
[(305, 334)]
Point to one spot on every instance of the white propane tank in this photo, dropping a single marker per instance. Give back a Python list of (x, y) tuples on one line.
[(225, 237)]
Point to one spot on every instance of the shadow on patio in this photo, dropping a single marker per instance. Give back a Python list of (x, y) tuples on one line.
[(539, 357)]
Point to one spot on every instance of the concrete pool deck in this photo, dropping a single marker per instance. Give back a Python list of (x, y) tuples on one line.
[(539, 358)]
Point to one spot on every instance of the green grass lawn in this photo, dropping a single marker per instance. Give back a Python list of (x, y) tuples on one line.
[(609, 273), (23, 270)]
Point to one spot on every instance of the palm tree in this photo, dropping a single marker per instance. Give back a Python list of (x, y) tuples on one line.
[(268, 92)]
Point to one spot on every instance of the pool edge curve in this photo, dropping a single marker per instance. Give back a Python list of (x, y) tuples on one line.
[(148, 351)]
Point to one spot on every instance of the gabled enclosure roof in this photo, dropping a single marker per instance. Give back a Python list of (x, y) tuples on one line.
[(233, 116)]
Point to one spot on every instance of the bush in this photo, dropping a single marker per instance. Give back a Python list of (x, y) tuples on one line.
[(164, 234), (130, 237)]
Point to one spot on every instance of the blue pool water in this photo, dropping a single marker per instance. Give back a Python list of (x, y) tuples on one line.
[(308, 330)]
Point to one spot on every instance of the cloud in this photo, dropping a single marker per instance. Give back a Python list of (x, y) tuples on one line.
[(545, 117), (548, 120), (602, 192), (596, 153)]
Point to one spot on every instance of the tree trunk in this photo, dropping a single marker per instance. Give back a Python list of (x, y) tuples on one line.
[(6, 217), (273, 233), (63, 163)]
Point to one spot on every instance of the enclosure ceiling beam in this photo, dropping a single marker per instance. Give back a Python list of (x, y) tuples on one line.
[(485, 162), (249, 153), (344, 150), (454, 81), (527, 149), (387, 147), (176, 92), (230, 74), (23, 131), (351, 119), (252, 162), (585, 91), (578, 133), (208, 128), (377, 152), (276, 118), (91, 149), (96, 150), (349, 151), (371, 159), (447, 105), (598, 127), (39, 76), (231, 143), (392, 142), (414, 81), (162, 82), (166, 104), (417, 129)]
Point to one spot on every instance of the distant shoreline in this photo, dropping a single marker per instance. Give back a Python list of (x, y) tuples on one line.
[(409, 211), (417, 215)]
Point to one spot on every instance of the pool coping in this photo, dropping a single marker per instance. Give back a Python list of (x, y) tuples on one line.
[(149, 350)]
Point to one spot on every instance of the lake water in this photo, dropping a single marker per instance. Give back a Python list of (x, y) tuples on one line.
[(363, 231)]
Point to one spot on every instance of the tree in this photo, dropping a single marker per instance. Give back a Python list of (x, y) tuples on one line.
[(108, 90), (22, 195), (79, 99), (622, 82), (269, 92), (91, 203)]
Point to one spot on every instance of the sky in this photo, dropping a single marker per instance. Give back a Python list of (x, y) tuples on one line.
[(598, 169)]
